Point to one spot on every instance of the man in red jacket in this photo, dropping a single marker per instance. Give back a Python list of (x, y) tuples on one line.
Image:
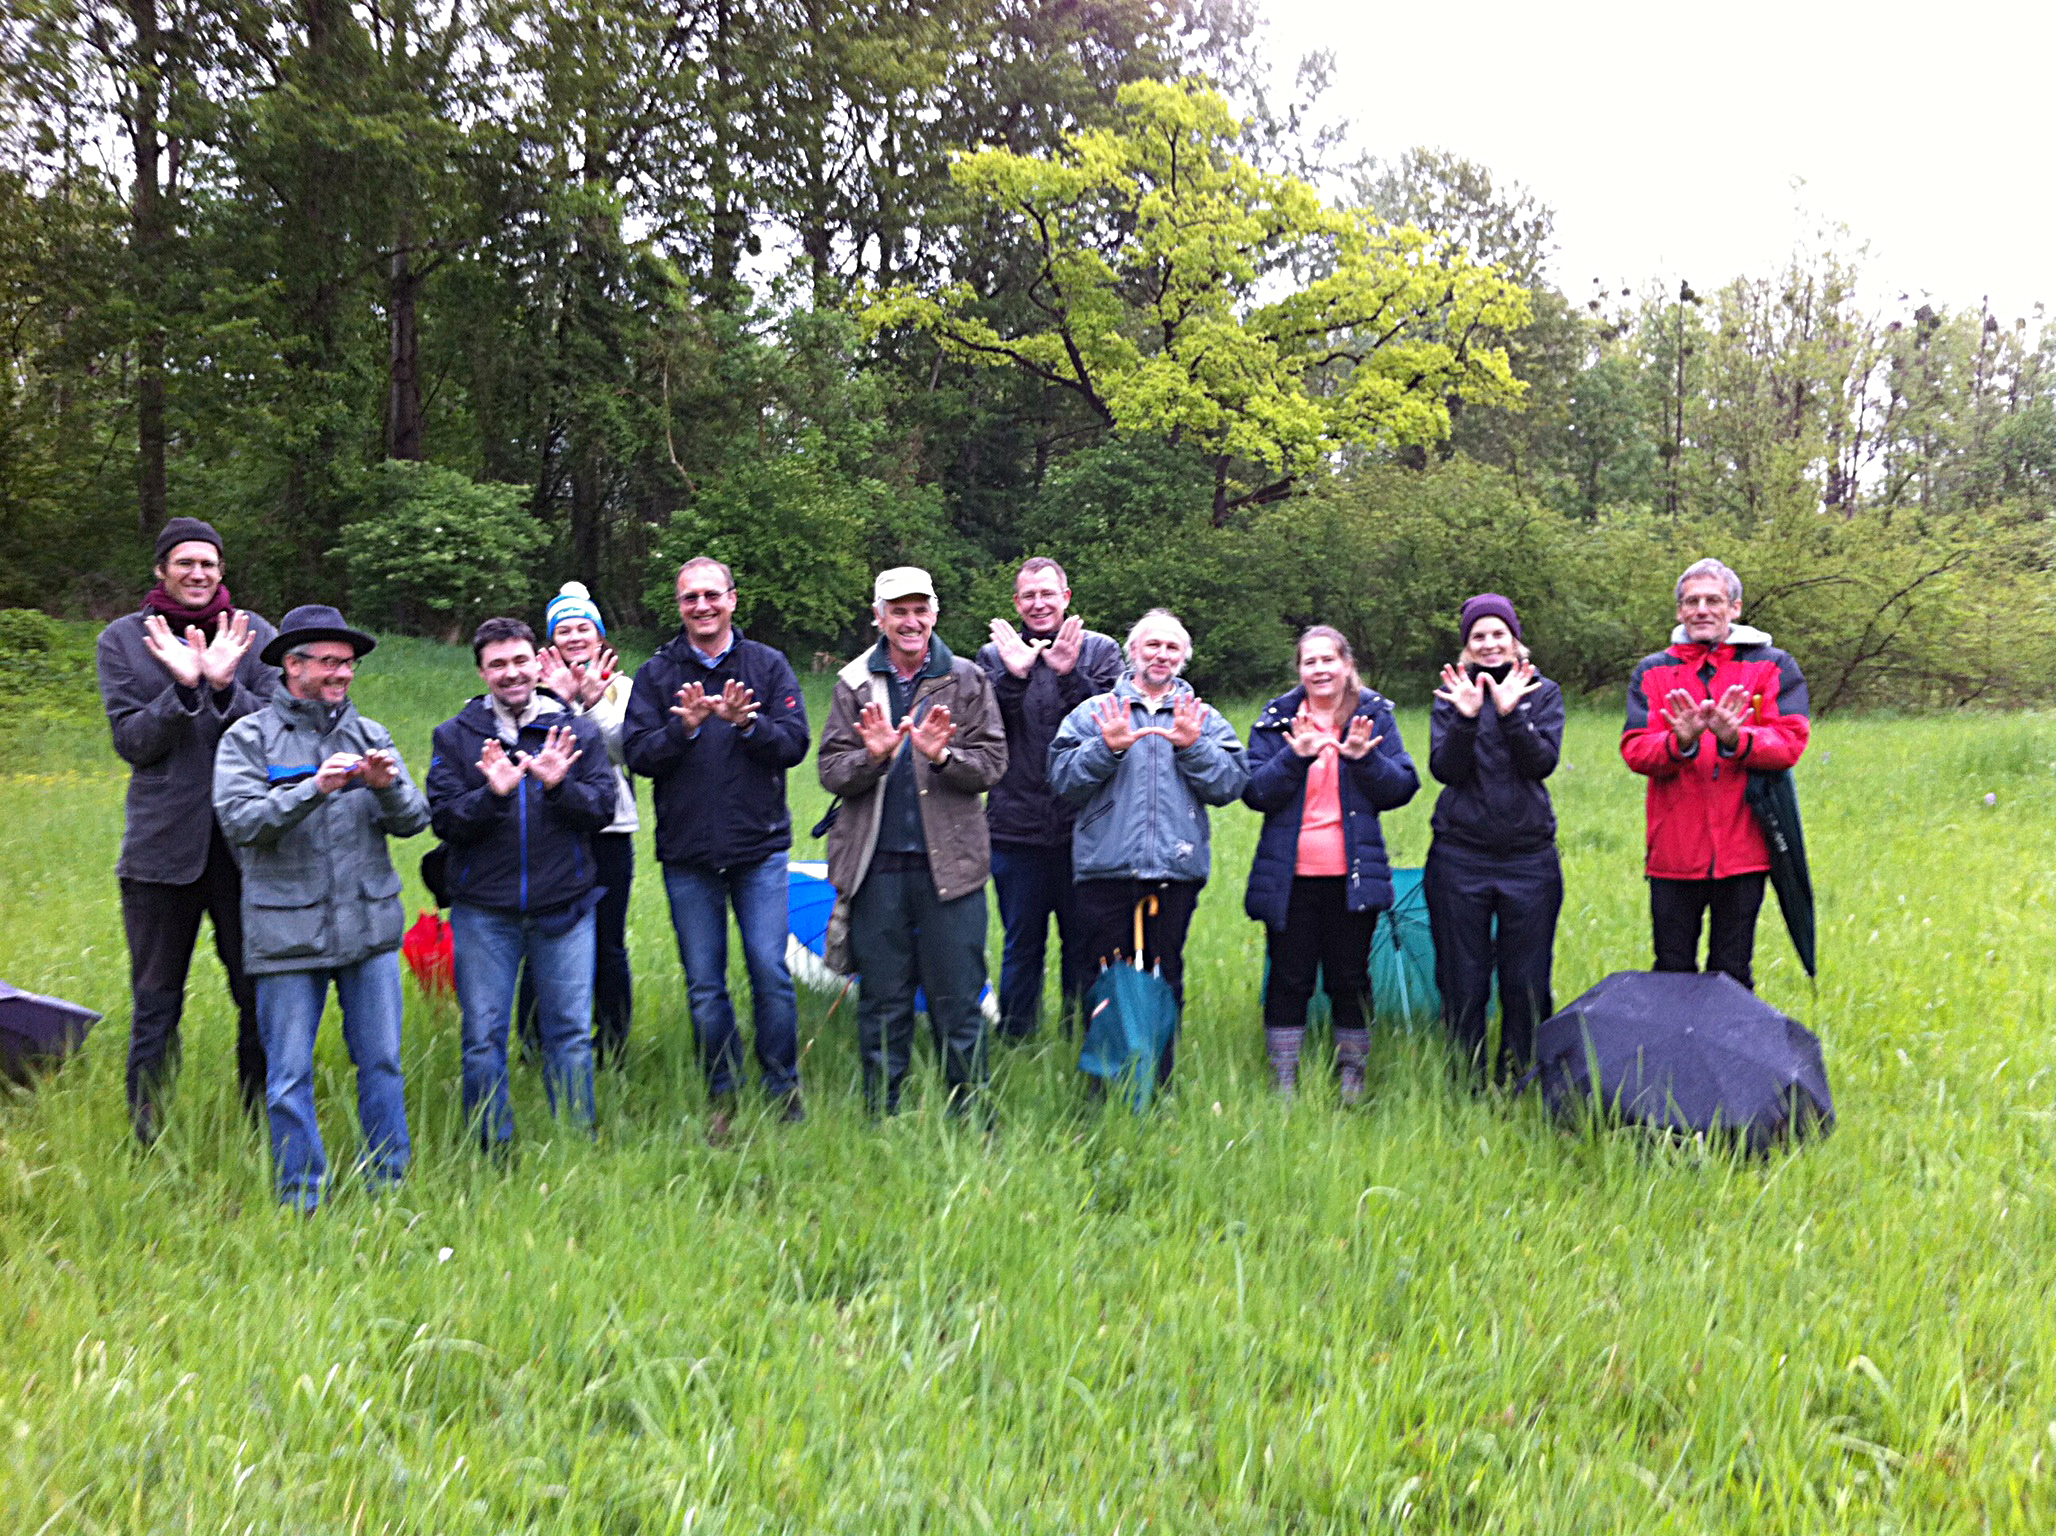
[(1725, 681)]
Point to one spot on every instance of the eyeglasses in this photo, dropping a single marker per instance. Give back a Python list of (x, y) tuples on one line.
[(694, 599), (328, 663)]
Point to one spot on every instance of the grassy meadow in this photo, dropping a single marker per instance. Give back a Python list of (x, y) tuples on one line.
[(1438, 1313)]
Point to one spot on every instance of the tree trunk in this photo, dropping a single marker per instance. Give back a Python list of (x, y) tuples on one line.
[(146, 248), (404, 429)]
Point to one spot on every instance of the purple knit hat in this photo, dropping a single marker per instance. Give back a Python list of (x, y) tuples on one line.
[(1487, 605)]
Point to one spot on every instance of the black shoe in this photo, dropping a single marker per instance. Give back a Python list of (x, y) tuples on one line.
[(795, 1110)]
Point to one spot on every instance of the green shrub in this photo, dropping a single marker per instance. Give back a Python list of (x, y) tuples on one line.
[(433, 551)]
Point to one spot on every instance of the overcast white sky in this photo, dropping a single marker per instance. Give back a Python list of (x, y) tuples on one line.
[(1705, 141)]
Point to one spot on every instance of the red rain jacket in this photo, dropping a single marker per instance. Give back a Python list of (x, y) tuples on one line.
[(1700, 826)]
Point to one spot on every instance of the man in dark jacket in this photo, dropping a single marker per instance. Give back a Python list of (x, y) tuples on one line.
[(517, 786), (173, 677), (714, 722), (912, 743), (309, 790), (1040, 673), (1725, 681)]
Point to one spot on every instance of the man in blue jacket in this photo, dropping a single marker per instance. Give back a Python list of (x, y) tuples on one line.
[(516, 788), (1141, 764), (714, 722), (1040, 673)]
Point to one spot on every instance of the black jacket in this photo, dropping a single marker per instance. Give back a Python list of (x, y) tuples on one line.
[(167, 736), (1021, 807), (529, 851), (1381, 780), (720, 796), (1493, 768)]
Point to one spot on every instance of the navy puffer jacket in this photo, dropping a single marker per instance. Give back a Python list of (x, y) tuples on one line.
[(1382, 780)]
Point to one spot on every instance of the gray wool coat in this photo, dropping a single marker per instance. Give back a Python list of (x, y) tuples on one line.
[(167, 736), (319, 888)]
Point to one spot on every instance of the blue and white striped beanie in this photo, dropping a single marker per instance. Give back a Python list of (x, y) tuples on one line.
[(572, 602)]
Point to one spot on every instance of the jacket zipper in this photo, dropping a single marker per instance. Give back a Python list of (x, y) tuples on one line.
[(524, 844)]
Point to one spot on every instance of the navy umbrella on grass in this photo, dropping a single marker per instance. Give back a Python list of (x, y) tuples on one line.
[(1685, 1053), (37, 1033)]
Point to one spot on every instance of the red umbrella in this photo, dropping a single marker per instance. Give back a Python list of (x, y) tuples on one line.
[(431, 953)]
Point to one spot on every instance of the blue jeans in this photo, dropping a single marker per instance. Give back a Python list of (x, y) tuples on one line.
[(700, 899), (289, 1008), (490, 947), (1033, 885)]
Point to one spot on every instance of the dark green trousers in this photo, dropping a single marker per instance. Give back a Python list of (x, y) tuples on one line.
[(903, 939)]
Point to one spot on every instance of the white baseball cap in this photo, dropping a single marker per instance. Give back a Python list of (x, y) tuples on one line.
[(901, 581)]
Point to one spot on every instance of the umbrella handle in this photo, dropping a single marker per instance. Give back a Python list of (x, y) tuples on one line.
[(1151, 903)]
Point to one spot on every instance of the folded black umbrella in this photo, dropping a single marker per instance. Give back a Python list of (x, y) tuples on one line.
[(1774, 797), (1686, 1053), (38, 1032)]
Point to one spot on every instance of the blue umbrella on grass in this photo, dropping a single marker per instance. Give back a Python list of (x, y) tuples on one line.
[(1130, 1015), (810, 901)]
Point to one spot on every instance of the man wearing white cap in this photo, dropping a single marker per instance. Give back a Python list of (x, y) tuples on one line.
[(913, 741)]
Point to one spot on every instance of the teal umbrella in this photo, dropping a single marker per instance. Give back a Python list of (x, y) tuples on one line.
[(1131, 1016), (1403, 990)]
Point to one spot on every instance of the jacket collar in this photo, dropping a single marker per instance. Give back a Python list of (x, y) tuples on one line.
[(1740, 637), (940, 659), (1280, 711), (311, 713), (680, 646), (1125, 687), (477, 713)]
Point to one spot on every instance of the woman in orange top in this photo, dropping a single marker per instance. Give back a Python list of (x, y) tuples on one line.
[(1324, 760)]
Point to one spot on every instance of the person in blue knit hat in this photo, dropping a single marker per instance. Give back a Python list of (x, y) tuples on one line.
[(579, 669)]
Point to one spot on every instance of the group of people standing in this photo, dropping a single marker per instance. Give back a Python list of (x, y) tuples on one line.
[(1074, 774)]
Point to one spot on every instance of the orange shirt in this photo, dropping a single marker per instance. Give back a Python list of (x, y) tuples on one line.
[(1322, 850)]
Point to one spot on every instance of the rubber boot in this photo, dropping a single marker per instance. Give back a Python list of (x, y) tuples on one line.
[(1283, 1047), (1352, 1051)]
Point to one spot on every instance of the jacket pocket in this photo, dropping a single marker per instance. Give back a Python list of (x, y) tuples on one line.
[(285, 921), (385, 916)]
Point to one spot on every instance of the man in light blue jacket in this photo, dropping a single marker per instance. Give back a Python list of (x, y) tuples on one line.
[(1142, 764)]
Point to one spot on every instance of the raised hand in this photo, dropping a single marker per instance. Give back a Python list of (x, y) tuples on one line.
[(1062, 654), (693, 707), (1116, 723), (1727, 717), (881, 736), (502, 773), (1015, 654), (1359, 743), (1518, 684), (1461, 691), (597, 674), (1188, 719), (381, 768), (737, 705), (1304, 735), (182, 658), (932, 736), (560, 751), (556, 674), (338, 771), (1689, 718), (226, 651)]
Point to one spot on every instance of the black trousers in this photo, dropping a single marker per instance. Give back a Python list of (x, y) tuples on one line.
[(1468, 892), (1106, 917), (1320, 935), (163, 923), (907, 941), (613, 985), (1675, 907)]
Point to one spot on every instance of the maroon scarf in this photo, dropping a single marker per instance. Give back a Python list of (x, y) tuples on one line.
[(178, 615)]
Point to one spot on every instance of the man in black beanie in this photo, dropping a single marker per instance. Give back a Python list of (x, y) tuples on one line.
[(174, 675)]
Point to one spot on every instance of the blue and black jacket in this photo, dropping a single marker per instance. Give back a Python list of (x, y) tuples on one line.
[(1382, 780), (1493, 767), (529, 851)]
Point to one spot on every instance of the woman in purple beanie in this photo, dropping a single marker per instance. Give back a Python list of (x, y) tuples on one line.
[(1494, 737)]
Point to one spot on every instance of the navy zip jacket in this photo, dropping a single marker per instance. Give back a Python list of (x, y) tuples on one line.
[(529, 851), (1381, 780), (1022, 808), (1493, 767), (720, 793)]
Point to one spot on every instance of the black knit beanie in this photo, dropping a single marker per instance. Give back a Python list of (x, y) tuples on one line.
[(185, 530)]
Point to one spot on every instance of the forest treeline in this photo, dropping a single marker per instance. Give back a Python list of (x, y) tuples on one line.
[(431, 306)]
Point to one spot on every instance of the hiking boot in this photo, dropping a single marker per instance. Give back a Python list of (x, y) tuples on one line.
[(794, 1111)]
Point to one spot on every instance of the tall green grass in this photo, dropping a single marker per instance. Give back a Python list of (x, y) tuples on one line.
[(1439, 1313)]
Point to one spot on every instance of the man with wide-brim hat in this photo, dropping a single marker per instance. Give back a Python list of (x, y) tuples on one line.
[(175, 675), (308, 791)]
